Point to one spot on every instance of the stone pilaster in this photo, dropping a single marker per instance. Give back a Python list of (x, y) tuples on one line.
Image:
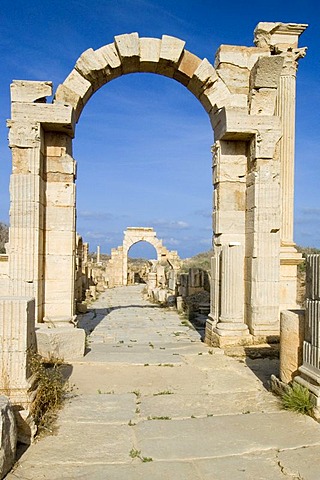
[(26, 212), (262, 248), (17, 338)]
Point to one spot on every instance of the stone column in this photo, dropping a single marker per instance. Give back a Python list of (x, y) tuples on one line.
[(286, 105), (26, 212), (85, 251), (98, 255), (290, 258), (231, 319), (282, 39)]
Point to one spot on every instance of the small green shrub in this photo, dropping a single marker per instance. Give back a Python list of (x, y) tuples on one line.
[(297, 399)]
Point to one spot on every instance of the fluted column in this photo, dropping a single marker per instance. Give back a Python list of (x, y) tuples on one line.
[(232, 291), (26, 212), (286, 106)]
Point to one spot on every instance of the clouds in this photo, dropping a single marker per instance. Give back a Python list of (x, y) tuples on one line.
[(307, 227), (143, 141)]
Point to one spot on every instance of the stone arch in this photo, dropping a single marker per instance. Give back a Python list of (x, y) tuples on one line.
[(250, 99), (134, 235), (131, 54)]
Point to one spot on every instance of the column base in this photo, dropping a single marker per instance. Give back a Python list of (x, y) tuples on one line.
[(266, 333), (60, 321), (290, 258), (225, 334)]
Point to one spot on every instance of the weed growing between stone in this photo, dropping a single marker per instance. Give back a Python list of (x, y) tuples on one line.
[(50, 393), (134, 453), (297, 399)]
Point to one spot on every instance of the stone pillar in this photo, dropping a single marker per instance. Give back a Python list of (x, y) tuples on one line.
[(85, 253), (292, 326), (282, 39), (60, 230), (262, 248), (17, 338), (26, 212), (229, 180), (98, 255)]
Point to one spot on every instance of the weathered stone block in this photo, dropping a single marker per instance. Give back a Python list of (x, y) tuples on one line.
[(75, 91), (60, 194), (57, 144), (66, 343), (243, 57), (236, 78), (19, 314), (59, 242), (204, 77), (231, 221), (215, 96), (188, 65), (171, 50), (62, 218), (291, 343), (56, 117), (8, 436), (149, 54), (93, 66), (30, 91), (23, 134), (263, 101), (128, 47), (109, 52), (266, 72)]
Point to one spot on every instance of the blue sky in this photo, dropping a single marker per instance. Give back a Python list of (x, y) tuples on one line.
[(143, 141)]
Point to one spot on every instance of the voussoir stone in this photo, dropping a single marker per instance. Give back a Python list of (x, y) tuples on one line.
[(128, 47), (149, 54), (203, 77)]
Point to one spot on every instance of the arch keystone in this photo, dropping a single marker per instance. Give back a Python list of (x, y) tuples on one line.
[(170, 55), (149, 54), (128, 47)]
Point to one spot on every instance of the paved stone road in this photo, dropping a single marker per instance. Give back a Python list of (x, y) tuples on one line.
[(154, 402)]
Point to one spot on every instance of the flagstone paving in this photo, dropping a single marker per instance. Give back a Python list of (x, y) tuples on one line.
[(151, 401)]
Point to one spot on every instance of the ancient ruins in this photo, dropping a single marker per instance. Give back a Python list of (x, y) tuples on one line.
[(249, 95)]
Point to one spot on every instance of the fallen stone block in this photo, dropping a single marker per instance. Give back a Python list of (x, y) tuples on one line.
[(8, 436), (61, 342)]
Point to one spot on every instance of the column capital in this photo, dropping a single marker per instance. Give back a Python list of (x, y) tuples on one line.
[(291, 57)]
